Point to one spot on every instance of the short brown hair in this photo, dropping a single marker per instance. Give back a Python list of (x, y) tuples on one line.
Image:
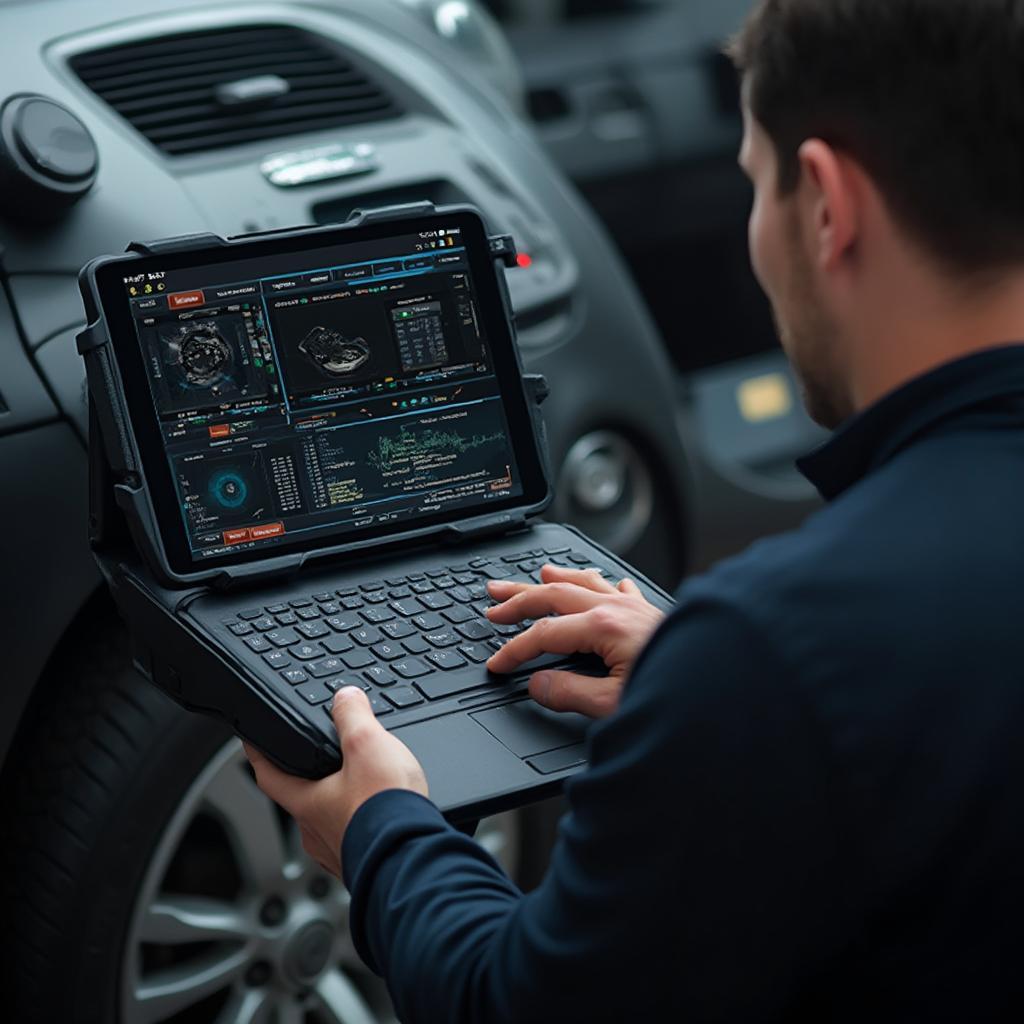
[(927, 95)]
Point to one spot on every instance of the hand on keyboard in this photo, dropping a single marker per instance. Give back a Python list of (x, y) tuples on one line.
[(591, 616)]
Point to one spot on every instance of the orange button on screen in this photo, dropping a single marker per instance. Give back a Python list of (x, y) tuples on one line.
[(236, 536), (181, 300), (221, 430), (267, 530)]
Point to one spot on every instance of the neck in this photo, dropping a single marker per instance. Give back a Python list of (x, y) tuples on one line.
[(926, 323)]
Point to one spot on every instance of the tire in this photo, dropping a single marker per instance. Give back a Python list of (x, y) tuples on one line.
[(121, 900)]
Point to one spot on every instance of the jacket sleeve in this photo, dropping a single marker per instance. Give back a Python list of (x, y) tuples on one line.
[(695, 871)]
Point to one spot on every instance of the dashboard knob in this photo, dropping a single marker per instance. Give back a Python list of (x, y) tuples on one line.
[(48, 159)]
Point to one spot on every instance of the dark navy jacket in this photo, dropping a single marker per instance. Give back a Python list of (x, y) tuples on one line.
[(810, 804)]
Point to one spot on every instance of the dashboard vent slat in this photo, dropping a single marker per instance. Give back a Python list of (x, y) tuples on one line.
[(167, 88)]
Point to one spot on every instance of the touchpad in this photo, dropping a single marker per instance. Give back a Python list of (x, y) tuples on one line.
[(528, 729)]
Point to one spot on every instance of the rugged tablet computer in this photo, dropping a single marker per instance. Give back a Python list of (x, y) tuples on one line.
[(310, 450)]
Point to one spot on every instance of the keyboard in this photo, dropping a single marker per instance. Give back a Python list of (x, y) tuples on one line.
[(404, 639)]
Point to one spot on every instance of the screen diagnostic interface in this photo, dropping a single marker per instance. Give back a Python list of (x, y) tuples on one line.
[(325, 400)]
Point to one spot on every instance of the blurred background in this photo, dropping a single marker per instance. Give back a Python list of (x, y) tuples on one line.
[(142, 864)]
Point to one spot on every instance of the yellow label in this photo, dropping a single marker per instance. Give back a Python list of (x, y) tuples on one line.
[(765, 398)]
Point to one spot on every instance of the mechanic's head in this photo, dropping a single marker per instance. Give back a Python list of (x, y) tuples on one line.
[(885, 140)]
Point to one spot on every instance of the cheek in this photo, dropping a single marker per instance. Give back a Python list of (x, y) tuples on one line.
[(761, 233)]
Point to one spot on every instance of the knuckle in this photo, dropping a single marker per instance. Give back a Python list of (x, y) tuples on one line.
[(359, 737)]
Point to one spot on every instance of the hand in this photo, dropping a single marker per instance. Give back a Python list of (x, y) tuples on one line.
[(373, 761), (593, 617)]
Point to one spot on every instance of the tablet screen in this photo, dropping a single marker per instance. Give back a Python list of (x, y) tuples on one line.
[(315, 396)]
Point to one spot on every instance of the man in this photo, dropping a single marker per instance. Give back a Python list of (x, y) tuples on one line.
[(804, 804)]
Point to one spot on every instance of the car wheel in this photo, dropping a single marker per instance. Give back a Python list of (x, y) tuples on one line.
[(148, 881)]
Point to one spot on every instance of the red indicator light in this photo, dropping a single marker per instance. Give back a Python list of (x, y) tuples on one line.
[(524, 260)]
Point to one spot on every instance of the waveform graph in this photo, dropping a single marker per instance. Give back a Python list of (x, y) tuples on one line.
[(426, 449)]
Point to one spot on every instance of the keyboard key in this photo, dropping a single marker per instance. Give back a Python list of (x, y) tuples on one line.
[(337, 644), (416, 645), (436, 601), (505, 629), (424, 587), (263, 623), (438, 686), (399, 592), (456, 569), (372, 585), (275, 659), (352, 603), (330, 608), (251, 613), (442, 638), (301, 602), (464, 578), (328, 596), (358, 659), (415, 577), (314, 693), (457, 614), (444, 582), (410, 668), (579, 559), (556, 551), (461, 594), (479, 563), (257, 643), (497, 572), (294, 676), (389, 650), (325, 667), (428, 620), (397, 630), (344, 622), (475, 630), (306, 652), (287, 619), (335, 684), (276, 609), (376, 615), (379, 705), (380, 676), (307, 614), (446, 659), (366, 636), (313, 630), (376, 597), (395, 581), (518, 557), (283, 637), (407, 608), (240, 628), (348, 592), (403, 697), (477, 653)]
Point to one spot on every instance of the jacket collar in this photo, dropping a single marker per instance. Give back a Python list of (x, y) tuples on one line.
[(872, 437)]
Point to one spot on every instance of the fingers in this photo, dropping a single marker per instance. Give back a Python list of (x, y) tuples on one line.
[(282, 788), (570, 634), (589, 578), (629, 587), (549, 598), (353, 717), (566, 691)]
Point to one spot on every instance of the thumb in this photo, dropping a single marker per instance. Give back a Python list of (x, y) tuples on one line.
[(596, 697), (352, 714)]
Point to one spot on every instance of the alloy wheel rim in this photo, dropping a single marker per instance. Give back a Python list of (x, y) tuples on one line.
[(277, 950)]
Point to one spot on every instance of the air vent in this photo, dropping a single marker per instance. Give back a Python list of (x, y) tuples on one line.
[(199, 91)]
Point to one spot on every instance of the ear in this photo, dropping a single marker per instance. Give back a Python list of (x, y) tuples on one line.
[(828, 195)]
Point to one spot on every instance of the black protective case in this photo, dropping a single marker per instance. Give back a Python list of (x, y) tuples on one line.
[(171, 647)]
